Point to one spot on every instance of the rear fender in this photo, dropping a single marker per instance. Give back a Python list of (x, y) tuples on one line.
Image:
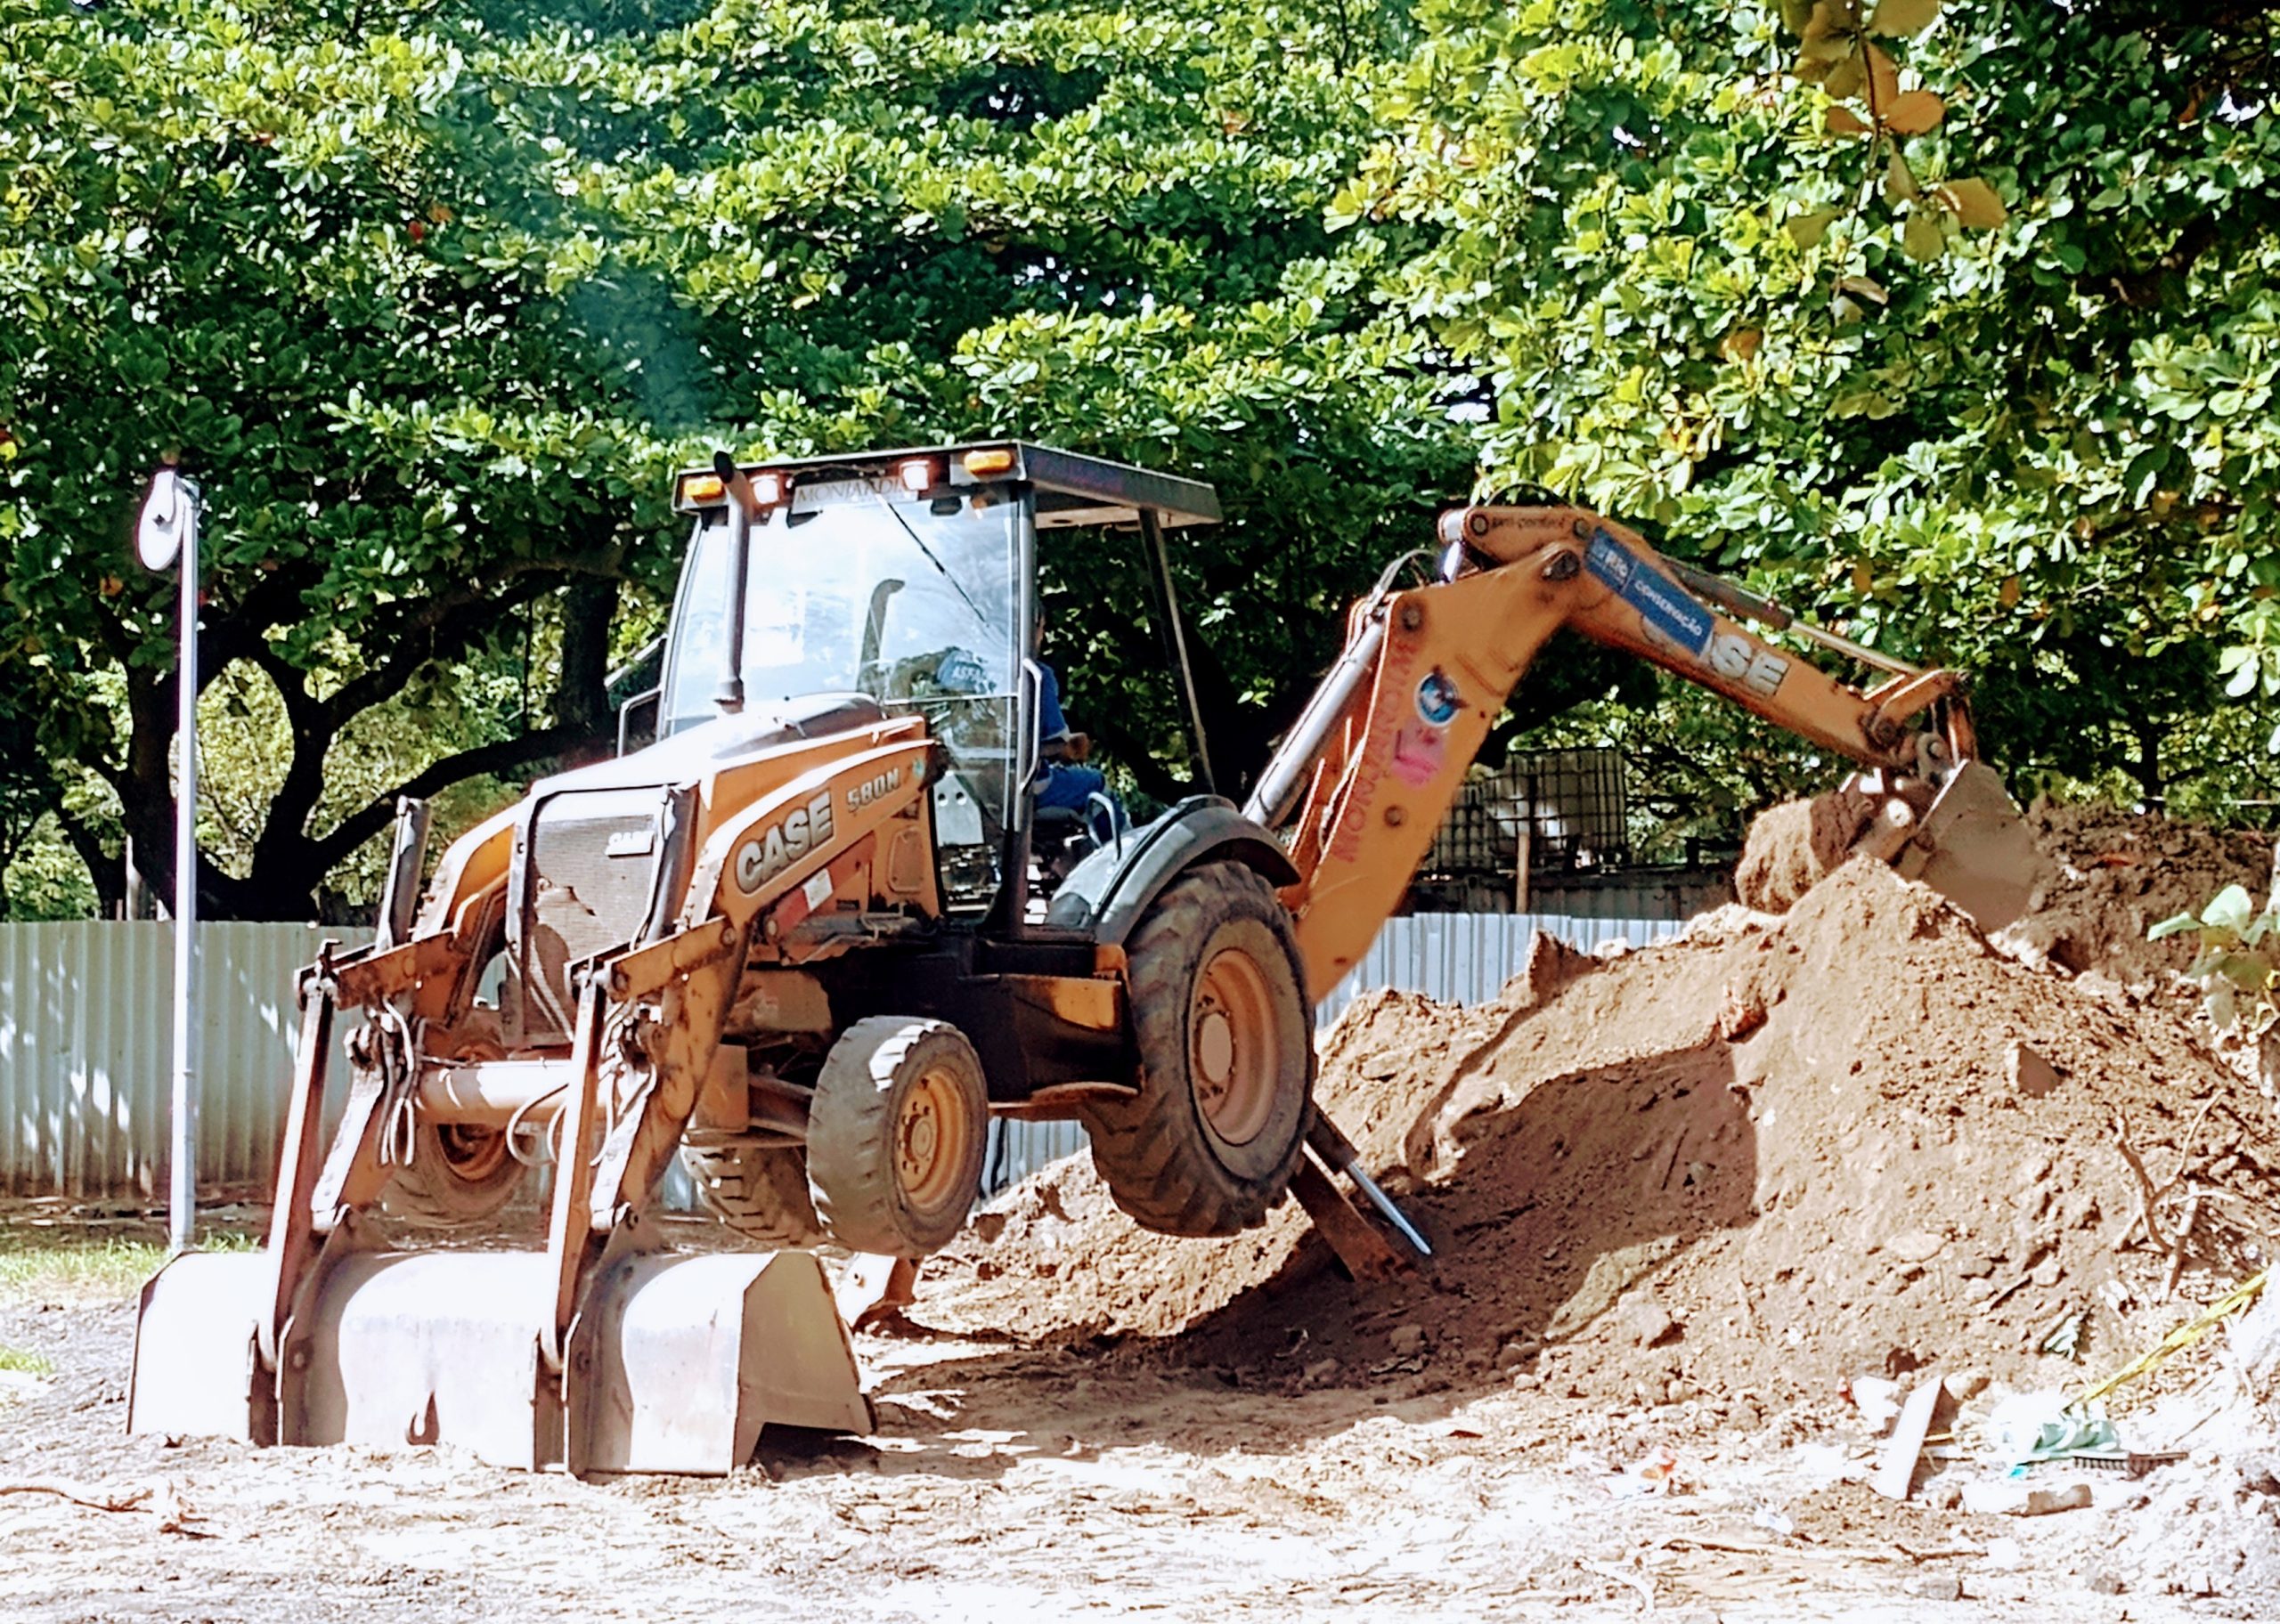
[(1108, 892)]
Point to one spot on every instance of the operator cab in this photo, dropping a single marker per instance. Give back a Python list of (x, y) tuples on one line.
[(906, 581)]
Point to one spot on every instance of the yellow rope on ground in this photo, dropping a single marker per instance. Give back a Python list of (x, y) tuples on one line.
[(2180, 1339)]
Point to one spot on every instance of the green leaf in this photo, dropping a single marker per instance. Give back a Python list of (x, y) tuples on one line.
[(2145, 468), (2177, 924), (1807, 230), (2230, 909), (1922, 238)]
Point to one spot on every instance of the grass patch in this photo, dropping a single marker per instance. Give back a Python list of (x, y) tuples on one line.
[(50, 1266), (23, 1361)]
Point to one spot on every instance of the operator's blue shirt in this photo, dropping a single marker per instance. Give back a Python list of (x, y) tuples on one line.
[(1065, 784), (1051, 723)]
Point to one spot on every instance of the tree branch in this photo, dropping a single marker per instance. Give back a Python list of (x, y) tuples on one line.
[(2151, 284), (501, 755)]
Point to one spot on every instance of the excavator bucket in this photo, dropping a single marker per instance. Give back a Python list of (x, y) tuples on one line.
[(198, 1369), (674, 1363), (1974, 849), (1969, 843)]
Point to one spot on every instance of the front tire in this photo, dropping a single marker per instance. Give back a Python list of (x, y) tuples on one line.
[(1219, 1017), (457, 1176), (896, 1133), (760, 1191)]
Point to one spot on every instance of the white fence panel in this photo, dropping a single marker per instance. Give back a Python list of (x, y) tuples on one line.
[(86, 1050), (1466, 958)]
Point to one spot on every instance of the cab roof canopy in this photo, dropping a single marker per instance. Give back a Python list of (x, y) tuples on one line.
[(1072, 490)]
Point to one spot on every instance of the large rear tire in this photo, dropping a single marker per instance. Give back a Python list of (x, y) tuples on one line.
[(457, 1176), (760, 1191), (896, 1133), (1219, 1015)]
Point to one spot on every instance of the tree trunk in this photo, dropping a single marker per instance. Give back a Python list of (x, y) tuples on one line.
[(582, 693)]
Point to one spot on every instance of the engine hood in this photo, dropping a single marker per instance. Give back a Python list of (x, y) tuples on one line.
[(698, 752)]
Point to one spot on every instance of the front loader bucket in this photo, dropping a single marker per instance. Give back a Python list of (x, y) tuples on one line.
[(197, 1370), (1974, 849), (674, 1363)]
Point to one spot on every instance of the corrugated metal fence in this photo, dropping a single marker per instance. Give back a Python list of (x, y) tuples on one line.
[(1466, 958), (86, 1050)]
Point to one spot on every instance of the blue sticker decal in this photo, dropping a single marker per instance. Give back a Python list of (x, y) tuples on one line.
[(1668, 610), (960, 672), (1609, 560), (1436, 698)]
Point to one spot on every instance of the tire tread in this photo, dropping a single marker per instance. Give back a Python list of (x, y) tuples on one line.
[(760, 1191), (1151, 1151)]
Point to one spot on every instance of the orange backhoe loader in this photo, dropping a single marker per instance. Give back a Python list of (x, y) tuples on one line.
[(817, 934)]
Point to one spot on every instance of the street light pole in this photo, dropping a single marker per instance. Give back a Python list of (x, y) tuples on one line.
[(167, 533)]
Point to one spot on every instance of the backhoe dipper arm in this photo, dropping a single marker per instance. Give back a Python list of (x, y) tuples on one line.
[(1381, 750)]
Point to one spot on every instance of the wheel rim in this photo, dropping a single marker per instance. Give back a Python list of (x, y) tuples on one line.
[(1232, 1056), (470, 1153), (933, 1139)]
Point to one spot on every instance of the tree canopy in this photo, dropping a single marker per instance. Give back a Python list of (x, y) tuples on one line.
[(1951, 324), (435, 301), (1676, 279)]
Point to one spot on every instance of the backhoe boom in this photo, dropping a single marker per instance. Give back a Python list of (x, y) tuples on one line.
[(1378, 755)]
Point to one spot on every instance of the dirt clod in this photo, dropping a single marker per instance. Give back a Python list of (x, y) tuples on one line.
[(2110, 876), (1794, 846)]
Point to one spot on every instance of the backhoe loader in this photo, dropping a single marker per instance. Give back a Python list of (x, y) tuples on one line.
[(805, 941)]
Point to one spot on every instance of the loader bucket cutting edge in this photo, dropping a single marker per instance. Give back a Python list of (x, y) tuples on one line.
[(675, 1364), (1974, 849)]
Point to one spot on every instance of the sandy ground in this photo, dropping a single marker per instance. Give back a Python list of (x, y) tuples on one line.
[(1687, 1199), (1106, 1478)]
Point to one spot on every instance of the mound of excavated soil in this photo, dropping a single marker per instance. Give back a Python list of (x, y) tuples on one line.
[(2111, 875), (1765, 1158), (1055, 1255)]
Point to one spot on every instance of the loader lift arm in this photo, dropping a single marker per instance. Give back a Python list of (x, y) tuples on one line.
[(1363, 781)]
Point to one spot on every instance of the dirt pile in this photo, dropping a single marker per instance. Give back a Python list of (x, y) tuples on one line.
[(2109, 876), (1054, 1255), (1754, 1162)]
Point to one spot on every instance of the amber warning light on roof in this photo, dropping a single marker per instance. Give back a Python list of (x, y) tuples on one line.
[(704, 490)]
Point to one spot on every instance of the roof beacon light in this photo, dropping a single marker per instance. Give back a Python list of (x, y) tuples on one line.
[(919, 475), (767, 489), (990, 461), (696, 490)]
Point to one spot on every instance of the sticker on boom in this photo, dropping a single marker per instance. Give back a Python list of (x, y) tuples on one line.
[(1437, 701), (790, 837), (1757, 669), (1669, 612)]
